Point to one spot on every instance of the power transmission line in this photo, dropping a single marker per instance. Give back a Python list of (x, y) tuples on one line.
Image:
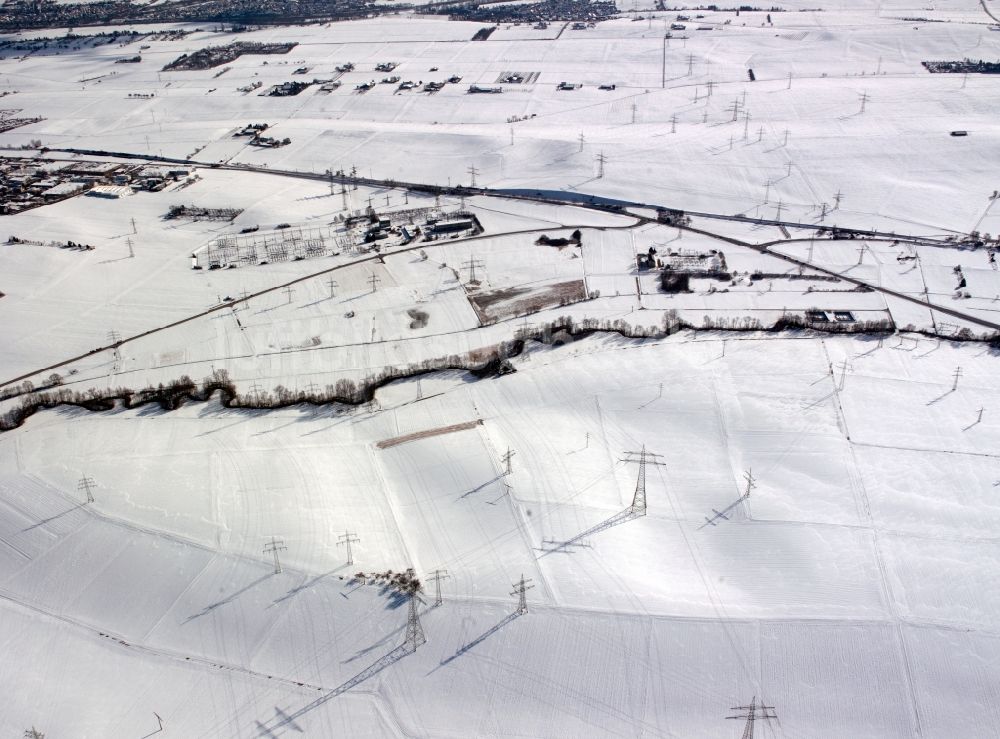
[(414, 631), (473, 172), (272, 547), (752, 713), (289, 292), (638, 507), (374, 281), (601, 159), (506, 459), (86, 484), (471, 265), (332, 283), (437, 577), (864, 100), (348, 538), (520, 588), (751, 484)]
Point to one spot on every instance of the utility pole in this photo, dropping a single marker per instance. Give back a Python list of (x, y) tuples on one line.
[(348, 538), (437, 577), (736, 109), (788, 168), (780, 206), (86, 484), (473, 172), (332, 283), (956, 374), (864, 101), (520, 588), (134, 229), (751, 484), (374, 281), (272, 547), (414, 631), (753, 712), (690, 63), (638, 507), (789, 81), (663, 73), (836, 200), (601, 159), (767, 191), (131, 251), (746, 125), (710, 85), (289, 292), (506, 459), (823, 211), (580, 139), (673, 123)]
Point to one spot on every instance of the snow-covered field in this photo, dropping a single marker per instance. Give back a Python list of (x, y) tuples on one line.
[(860, 572), (854, 589)]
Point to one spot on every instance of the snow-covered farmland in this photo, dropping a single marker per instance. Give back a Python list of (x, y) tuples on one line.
[(851, 585)]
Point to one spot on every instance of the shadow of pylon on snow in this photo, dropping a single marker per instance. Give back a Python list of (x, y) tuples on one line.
[(287, 720), (481, 638), (619, 518)]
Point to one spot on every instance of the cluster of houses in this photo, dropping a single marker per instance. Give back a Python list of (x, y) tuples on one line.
[(30, 183)]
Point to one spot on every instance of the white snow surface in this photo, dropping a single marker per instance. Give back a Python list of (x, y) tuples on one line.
[(855, 589)]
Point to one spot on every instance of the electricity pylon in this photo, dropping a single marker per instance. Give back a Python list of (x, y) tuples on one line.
[(520, 588), (471, 265), (414, 631), (348, 538), (272, 547), (753, 713), (751, 484), (86, 484), (506, 459), (638, 507), (437, 577)]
